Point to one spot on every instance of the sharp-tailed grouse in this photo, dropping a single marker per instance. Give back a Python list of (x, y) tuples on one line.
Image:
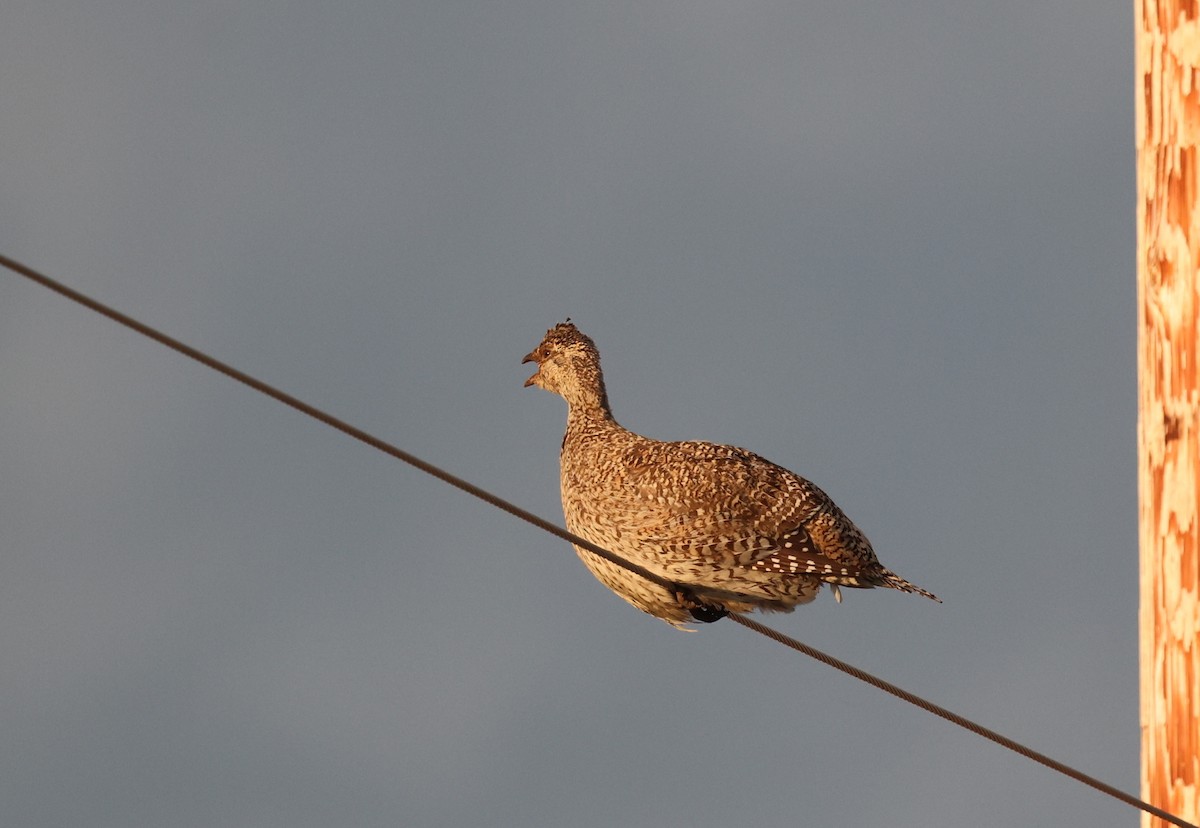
[(736, 532)]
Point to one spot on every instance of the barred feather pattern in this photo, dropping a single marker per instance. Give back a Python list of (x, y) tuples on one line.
[(737, 531)]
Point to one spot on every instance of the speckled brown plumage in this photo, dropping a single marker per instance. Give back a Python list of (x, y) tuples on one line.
[(738, 532)]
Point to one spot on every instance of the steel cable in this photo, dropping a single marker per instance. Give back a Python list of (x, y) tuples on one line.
[(541, 523)]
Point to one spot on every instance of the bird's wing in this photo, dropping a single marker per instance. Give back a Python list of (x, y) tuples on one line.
[(728, 504)]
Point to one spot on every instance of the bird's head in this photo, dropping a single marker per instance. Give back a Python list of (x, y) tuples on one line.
[(568, 364)]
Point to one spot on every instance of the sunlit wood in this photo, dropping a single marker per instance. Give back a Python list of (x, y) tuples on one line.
[(1167, 128)]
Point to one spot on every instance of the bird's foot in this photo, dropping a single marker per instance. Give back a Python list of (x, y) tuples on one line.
[(702, 612)]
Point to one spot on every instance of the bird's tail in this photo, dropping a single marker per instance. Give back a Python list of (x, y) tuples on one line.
[(891, 579)]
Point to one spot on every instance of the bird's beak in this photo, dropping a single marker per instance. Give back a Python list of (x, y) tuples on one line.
[(529, 357)]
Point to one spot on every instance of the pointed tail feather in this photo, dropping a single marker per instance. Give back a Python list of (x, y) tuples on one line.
[(891, 579)]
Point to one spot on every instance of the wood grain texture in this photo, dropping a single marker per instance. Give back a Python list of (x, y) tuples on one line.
[(1167, 56)]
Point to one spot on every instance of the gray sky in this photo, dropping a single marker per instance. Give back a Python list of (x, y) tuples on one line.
[(888, 245)]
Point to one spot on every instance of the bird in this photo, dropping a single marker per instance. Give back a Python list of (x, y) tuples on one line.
[(733, 531)]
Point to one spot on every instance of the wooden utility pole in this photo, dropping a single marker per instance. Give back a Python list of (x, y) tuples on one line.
[(1167, 131)]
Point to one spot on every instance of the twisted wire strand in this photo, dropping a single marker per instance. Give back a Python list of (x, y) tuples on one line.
[(330, 420), (541, 523), (951, 716)]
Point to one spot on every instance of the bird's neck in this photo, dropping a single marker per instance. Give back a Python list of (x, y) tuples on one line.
[(585, 393), (589, 415)]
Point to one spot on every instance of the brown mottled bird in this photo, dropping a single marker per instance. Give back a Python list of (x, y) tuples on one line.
[(736, 532)]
